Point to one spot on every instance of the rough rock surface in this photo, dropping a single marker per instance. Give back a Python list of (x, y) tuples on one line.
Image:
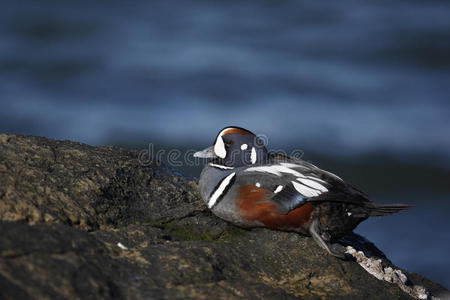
[(86, 222)]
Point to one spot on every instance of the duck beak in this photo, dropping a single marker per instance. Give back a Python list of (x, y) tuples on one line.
[(206, 153)]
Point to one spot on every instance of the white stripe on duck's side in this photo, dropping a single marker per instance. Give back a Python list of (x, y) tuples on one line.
[(220, 166), (312, 184), (278, 189), (305, 191), (275, 169), (307, 186), (316, 179), (220, 190)]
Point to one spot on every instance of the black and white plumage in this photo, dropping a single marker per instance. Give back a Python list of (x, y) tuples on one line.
[(246, 185)]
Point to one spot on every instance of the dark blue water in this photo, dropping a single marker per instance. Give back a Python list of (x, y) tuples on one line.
[(343, 79), (416, 239)]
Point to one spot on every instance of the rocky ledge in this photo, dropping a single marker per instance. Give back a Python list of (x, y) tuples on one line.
[(84, 222)]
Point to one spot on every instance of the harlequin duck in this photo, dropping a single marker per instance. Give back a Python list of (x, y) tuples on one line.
[(250, 187)]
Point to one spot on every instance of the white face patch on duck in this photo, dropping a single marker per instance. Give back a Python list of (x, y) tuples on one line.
[(253, 155), (219, 147), (244, 147)]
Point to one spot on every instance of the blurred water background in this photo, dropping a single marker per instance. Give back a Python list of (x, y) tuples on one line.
[(362, 87)]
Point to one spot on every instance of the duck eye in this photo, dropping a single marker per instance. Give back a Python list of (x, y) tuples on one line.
[(227, 142)]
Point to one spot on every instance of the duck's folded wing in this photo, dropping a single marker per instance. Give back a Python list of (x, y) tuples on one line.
[(294, 195), (287, 199), (289, 186)]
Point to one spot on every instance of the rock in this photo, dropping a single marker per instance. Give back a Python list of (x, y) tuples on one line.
[(93, 222)]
